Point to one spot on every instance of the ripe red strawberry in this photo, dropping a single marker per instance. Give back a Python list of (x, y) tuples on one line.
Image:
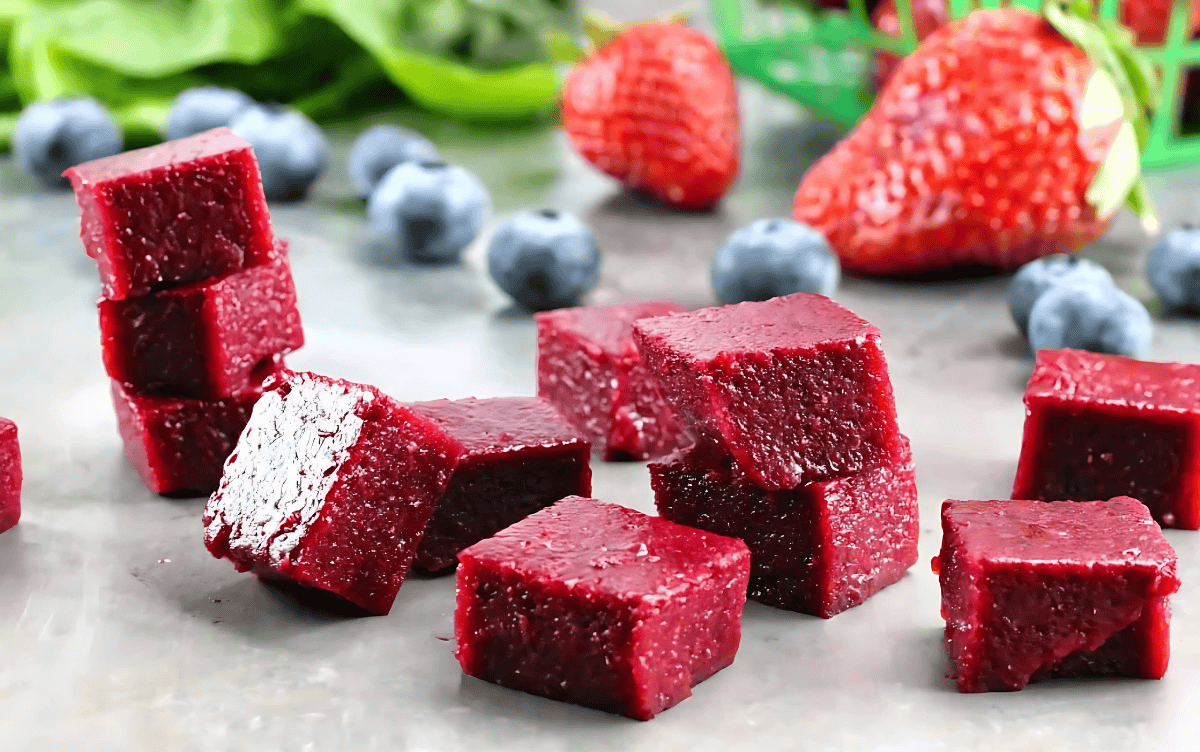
[(1147, 19), (656, 108), (985, 148)]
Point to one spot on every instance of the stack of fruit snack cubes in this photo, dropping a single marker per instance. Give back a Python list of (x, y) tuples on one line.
[(198, 302), (797, 451)]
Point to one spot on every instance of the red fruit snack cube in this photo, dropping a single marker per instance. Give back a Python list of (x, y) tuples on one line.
[(796, 388), (602, 606), (330, 486), (203, 340), (1034, 589), (819, 549), (519, 456), (590, 370), (10, 475), (178, 446), (179, 212), (1098, 426)]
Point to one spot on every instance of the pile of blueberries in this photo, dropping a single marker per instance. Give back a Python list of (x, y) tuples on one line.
[(292, 151), (424, 209), (1066, 301)]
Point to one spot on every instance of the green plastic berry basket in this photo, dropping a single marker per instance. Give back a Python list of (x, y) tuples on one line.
[(822, 59)]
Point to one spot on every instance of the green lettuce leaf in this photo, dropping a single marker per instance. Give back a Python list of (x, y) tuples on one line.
[(325, 57), (433, 81)]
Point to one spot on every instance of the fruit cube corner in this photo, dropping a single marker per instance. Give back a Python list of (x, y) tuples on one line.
[(204, 340), (330, 487), (519, 456), (180, 212), (819, 549), (795, 388), (590, 370), (1034, 589), (602, 606), (10, 475), (1098, 426), (178, 446)]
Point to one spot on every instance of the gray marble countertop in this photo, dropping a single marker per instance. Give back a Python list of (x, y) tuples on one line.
[(118, 631)]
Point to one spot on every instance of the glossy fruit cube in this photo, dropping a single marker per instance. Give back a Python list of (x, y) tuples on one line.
[(819, 549), (1098, 426), (10, 475), (179, 212), (590, 370), (602, 606), (178, 446), (795, 388), (203, 340), (1034, 589), (519, 456), (330, 486)]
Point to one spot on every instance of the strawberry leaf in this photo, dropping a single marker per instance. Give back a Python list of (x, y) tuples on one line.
[(1111, 47), (1139, 202), (601, 28), (561, 47), (1118, 173), (1101, 103)]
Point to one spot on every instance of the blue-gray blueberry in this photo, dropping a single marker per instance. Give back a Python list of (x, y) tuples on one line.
[(544, 259), (774, 257), (51, 136), (382, 147), (1173, 269), (291, 149), (203, 108), (429, 211), (1086, 315), (1039, 275)]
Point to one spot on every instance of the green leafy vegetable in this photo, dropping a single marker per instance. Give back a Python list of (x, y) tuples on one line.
[(431, 81), (469, 58)]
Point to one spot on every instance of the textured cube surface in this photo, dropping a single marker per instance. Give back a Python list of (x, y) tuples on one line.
[(1098, 426), (1032, 589), (179, 212), (602, 606), (206, 339), (796, 388), (819, 549), (330, 486), (519, 456), (10, 475), (590, 370), (178, 445)]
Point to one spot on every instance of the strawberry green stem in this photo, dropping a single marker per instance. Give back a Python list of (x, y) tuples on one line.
[(1130, 87)]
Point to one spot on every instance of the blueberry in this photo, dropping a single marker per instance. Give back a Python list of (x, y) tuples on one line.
[(204, 107), (1090, 316), (51, 136), (291, 149), (429, 211), (1040, 275), (382, 147), (544, 259), (773, 257), (1174, 269)]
